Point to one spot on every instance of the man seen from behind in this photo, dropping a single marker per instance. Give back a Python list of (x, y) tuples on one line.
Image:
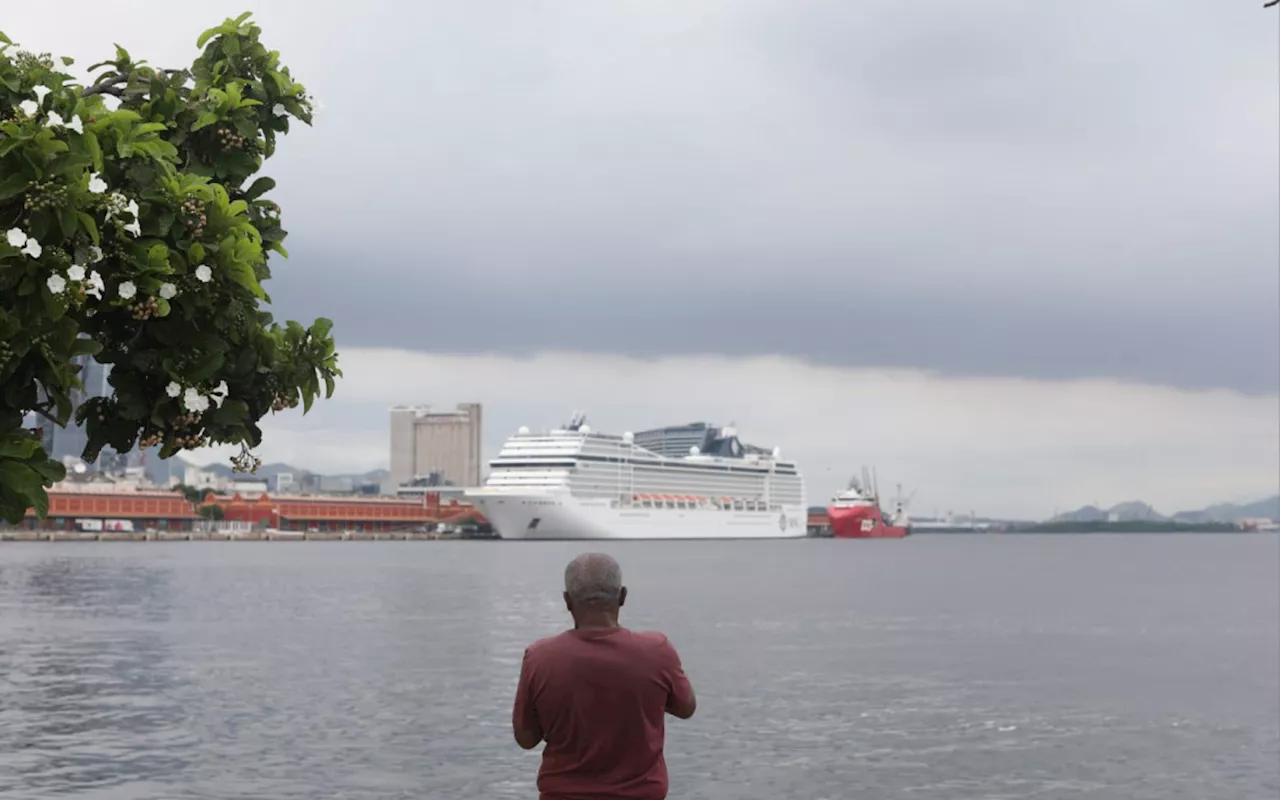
[(597, 695)]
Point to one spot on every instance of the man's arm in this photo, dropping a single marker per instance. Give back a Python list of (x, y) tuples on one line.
[(681, 701), (524, 717)]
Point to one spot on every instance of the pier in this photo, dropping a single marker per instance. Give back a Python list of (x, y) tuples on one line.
[(220, 536)]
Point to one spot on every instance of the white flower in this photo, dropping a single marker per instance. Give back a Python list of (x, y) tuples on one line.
[(29, 107), (203, 273), (95, 254), (17, 237), (127, 290), (33, 248), (96, 285), (194, 401), (173, 389), (96, 184), (76, 272), (134, 228), (132, 208), (279, 110), (76, 125), (56, 283), (168, 291), (56, 120), (41, 93)]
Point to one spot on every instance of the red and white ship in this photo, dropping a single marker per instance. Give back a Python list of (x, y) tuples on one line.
[(855, 513)]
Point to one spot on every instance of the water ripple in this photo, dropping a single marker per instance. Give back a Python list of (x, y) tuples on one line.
[(955, 668)]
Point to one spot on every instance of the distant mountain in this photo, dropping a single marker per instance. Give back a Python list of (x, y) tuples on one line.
[(1085, 514), (1136, 511), (1233, 512), (1132, 511), (270, 471)]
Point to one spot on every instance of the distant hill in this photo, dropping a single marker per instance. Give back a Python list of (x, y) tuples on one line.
[(1132, 511), (270, 471), (1137, 511), (1233, 512)]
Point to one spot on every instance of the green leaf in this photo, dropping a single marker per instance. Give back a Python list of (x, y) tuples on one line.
[(242, 274), (207, 35), (67, 221), (13, 185), (51, 471), (19, 449), (162, 307), (231, 412), (89, 224), (204, 120), (84, 346), (207, 366), (95, 149), (54, 305), (196, 253), (158, 255), (27, 485), (259, 187)]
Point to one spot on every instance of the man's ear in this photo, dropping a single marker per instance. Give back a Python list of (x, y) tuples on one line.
[(568, 603), (622, 597)]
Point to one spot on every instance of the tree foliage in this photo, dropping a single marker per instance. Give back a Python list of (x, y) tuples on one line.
[(133, 230)]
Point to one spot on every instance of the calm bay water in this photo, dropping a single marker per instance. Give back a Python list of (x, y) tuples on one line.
[(935, 667)]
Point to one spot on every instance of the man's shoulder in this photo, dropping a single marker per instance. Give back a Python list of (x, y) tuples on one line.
[(656, 639), (548, 643), (647, 640)]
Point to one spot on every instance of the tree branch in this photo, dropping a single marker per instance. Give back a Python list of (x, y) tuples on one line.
[(1270, 3), (107, 86)]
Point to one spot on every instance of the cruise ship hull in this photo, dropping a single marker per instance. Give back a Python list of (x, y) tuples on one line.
[(564, 517)]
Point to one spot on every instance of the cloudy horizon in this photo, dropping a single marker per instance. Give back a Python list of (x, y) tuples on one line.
[(1040, 224)]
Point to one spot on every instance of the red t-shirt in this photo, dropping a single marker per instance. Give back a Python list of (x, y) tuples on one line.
[(599, 697)]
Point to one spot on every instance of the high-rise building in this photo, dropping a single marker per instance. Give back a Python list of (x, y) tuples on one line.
[(69, 441), (425, 441)]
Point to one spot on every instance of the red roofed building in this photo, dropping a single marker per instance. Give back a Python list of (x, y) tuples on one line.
[(337, 514), (113, 510)]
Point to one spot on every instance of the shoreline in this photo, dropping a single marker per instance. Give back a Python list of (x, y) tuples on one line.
[(196, 536), (297, 536)]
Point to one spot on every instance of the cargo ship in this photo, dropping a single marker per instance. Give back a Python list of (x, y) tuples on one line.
[(855, 513)]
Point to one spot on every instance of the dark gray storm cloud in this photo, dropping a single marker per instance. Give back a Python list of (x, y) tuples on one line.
[(963, 332), (987, 188)]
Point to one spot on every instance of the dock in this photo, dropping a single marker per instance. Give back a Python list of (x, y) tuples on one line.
[(215, 536)]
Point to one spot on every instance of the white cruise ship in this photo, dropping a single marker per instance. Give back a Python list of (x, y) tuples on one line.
[(685, 482)]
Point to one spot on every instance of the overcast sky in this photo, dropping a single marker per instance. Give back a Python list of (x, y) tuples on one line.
[(1020, 256)]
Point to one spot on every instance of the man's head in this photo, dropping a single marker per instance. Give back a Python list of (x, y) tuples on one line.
[(593, 585)]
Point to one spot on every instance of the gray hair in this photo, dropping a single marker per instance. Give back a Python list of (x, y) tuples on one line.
[(593, 579)]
